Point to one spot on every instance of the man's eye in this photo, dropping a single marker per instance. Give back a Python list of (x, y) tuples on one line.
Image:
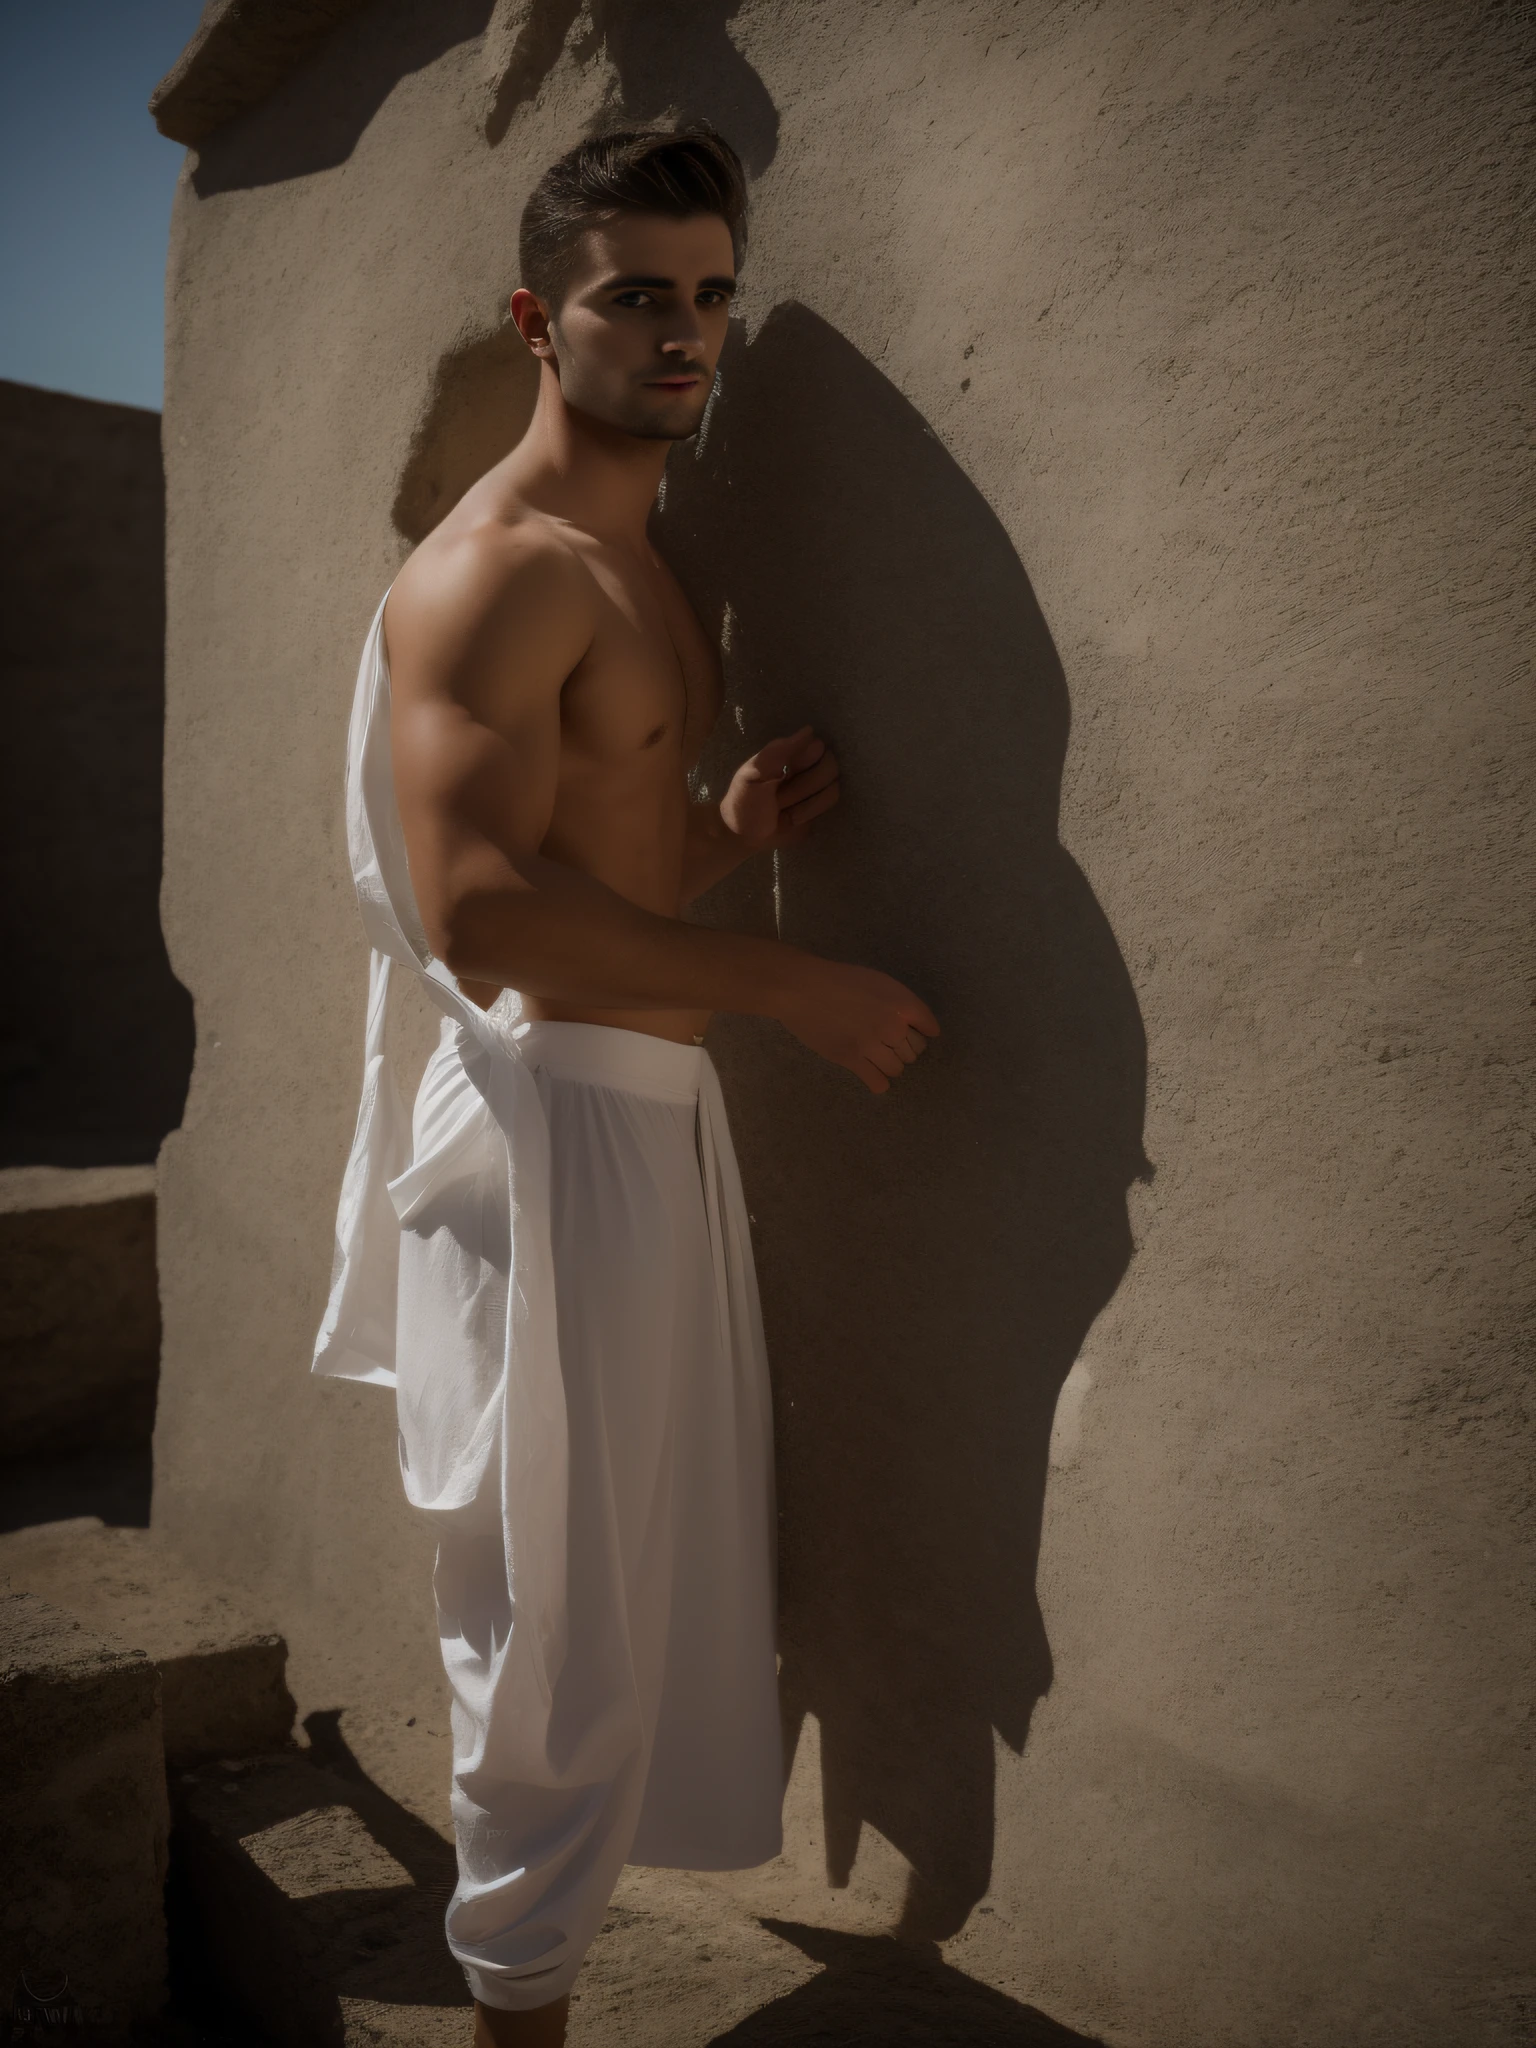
[(632, 298)]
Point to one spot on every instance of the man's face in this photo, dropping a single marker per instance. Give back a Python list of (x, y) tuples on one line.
[(640, 329)]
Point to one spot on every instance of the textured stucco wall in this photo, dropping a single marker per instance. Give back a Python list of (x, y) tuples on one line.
[(1117, 455)]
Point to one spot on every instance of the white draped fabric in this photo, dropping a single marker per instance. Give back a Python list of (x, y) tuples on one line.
[(550, 1263)]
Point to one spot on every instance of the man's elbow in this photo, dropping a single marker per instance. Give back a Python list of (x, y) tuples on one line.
[(475, 934), (456, 932), (455, 952)]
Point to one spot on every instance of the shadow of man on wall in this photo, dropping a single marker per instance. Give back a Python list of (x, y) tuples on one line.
[(931, 1260)]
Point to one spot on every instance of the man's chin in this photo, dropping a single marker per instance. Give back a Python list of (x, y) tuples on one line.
[(662, 427), (665, 422), (665, 433)]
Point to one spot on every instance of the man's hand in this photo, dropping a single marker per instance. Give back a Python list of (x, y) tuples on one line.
[(859, 1018), (774, 797)]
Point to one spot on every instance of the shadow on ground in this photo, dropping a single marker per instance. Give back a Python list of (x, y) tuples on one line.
[(319, 1898), (308, 1906), (883, 1993)]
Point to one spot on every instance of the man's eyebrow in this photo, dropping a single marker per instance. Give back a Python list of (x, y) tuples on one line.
[(663, 284)]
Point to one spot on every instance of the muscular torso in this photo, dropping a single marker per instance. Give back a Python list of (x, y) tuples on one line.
[(634, 713)]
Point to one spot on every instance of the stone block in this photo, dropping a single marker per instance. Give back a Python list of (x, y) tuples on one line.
[(223, 1687), (79, 1308), (83, 1819)]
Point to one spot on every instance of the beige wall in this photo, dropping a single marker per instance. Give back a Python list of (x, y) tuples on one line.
[(1117, 456)]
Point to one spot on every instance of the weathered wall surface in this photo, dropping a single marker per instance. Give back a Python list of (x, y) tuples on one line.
[(1117, 457), (95, 1035)]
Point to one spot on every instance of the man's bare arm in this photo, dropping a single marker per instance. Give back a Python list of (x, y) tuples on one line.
[(481, 640), (772, 802)]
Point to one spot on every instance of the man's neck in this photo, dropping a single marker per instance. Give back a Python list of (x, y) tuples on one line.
[(580, 469)]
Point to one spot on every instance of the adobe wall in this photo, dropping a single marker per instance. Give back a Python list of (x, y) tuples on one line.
[(1116, 455)]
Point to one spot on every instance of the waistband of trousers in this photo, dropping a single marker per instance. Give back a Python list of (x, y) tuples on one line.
[(605, 1056)]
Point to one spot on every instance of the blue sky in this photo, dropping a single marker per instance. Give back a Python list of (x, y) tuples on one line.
[(85, 192)]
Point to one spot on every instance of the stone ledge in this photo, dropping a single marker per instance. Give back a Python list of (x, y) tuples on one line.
[(83, 1817), (80, 1312), (223, 1685), (71, 1187)]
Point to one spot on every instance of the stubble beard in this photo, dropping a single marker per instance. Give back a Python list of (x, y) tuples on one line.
[(646, 422), (658, 433), (636, 414)]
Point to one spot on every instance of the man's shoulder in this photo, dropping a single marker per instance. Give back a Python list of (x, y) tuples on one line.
[(492, 575)]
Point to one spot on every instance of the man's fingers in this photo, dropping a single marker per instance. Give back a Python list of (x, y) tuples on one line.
[(794, 788), (812, 806), (871, 1076), (916, 1013), (887, 1059), (769, 762)]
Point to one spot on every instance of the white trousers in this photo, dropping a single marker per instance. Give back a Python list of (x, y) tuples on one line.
[(658, 1740)]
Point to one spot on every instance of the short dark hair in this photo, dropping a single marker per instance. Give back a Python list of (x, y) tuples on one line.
[(678, 171)]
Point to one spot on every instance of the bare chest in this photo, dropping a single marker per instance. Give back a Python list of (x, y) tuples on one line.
[(638, 692)]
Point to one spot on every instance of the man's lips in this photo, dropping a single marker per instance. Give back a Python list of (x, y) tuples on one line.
[(685, 383)]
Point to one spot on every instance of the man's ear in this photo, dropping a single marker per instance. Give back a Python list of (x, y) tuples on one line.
[(531, 318)]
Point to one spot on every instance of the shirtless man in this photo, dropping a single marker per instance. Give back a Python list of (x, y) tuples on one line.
[(551, 689)]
